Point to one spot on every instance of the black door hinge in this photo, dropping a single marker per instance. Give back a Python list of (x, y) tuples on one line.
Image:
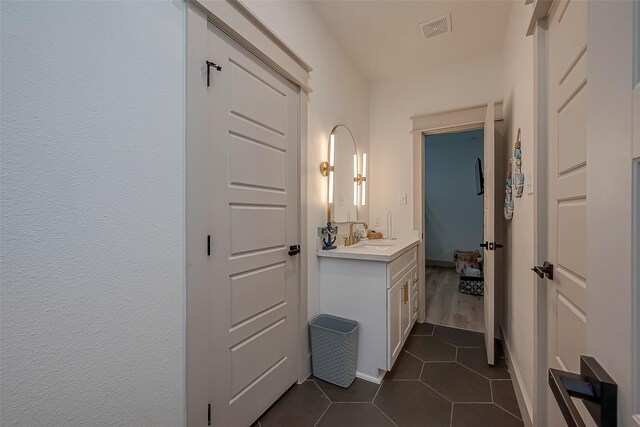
[(209, 65), (208, 245), (209, 414)]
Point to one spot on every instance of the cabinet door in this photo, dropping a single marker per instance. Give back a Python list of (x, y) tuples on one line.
[(405, 309), (394, 326), (413, 296), (410, 302)]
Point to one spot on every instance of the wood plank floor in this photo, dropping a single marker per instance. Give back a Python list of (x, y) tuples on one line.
[(447, 306)]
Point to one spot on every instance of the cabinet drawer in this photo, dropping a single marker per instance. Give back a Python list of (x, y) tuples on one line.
[(402, 264)]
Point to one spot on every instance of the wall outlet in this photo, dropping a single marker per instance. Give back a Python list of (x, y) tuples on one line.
[(528, 182), (403, 199), (376, 221)]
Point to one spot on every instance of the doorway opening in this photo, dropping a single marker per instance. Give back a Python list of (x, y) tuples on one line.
[(454, 204)]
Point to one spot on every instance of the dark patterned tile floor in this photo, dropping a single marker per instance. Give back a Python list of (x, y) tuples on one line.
[(441, 378)]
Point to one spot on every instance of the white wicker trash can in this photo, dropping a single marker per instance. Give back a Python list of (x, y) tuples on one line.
[(334, 349)]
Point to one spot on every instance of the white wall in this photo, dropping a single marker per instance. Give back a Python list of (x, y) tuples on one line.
[(92, 225), (340, 95), (391, 104), (518, 111), (453, 207)]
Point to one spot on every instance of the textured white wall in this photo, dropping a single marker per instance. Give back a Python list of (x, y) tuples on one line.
[(92, 222), (391, 104), (520, 280), (340, 95)]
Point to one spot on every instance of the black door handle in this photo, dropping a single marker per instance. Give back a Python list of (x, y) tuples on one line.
[(545, 269), (593, 386), (491, 246), (294, 250)]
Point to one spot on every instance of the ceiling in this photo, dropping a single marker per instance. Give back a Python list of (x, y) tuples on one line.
[(384, 39)]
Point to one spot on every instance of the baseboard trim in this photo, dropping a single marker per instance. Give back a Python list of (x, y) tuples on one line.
[(377, 380), (438, 263), (516, 379)]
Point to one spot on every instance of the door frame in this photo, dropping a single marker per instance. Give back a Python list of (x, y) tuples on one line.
[(237, 21), (540, 144), (457, 120)]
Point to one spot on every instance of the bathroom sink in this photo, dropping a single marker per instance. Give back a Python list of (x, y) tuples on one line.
[(375, 245), (378, 247), (377, 242)]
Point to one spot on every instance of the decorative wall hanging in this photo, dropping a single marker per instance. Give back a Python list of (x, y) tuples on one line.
[(508, 199), (518, 176)]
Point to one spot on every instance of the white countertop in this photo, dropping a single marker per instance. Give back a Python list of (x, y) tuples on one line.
[(385, 250)]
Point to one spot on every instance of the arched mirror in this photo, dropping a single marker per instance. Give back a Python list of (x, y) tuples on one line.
[(345, 168)]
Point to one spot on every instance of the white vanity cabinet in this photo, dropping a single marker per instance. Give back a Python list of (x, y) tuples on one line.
[(378, 288)]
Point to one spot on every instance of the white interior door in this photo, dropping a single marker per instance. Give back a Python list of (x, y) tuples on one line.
[(489, 231), (253, 219), (566, 196)]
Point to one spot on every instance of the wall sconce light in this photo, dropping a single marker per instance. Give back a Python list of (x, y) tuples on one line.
[(364, 179), (326, 168), (359, 179), (356, 180)]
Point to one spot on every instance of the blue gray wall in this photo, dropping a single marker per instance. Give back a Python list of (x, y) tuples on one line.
[(453, 210)]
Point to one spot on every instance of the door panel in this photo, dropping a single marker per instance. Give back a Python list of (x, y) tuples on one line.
[(566, 191), (255, 98), (253, 228), (572, 237), (572, 132), (489, 231), (253, 218), (256, 354), (247, 156), (257, 290)]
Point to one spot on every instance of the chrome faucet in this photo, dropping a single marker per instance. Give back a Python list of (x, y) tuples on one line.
[(351, 239)]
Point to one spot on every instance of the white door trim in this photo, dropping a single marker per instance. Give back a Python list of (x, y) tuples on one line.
[(539, 216), (460, 119), (242, 25), (238, 22)]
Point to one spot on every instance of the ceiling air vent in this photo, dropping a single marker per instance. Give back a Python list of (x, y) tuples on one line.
[(435, 27)]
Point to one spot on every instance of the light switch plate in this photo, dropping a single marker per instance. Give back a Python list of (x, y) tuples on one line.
[(403, 198), (528, 182)]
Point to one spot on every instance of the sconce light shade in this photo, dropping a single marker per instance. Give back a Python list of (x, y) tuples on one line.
[(331, 149), (331, 161), (364, 179), (355, 180)]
